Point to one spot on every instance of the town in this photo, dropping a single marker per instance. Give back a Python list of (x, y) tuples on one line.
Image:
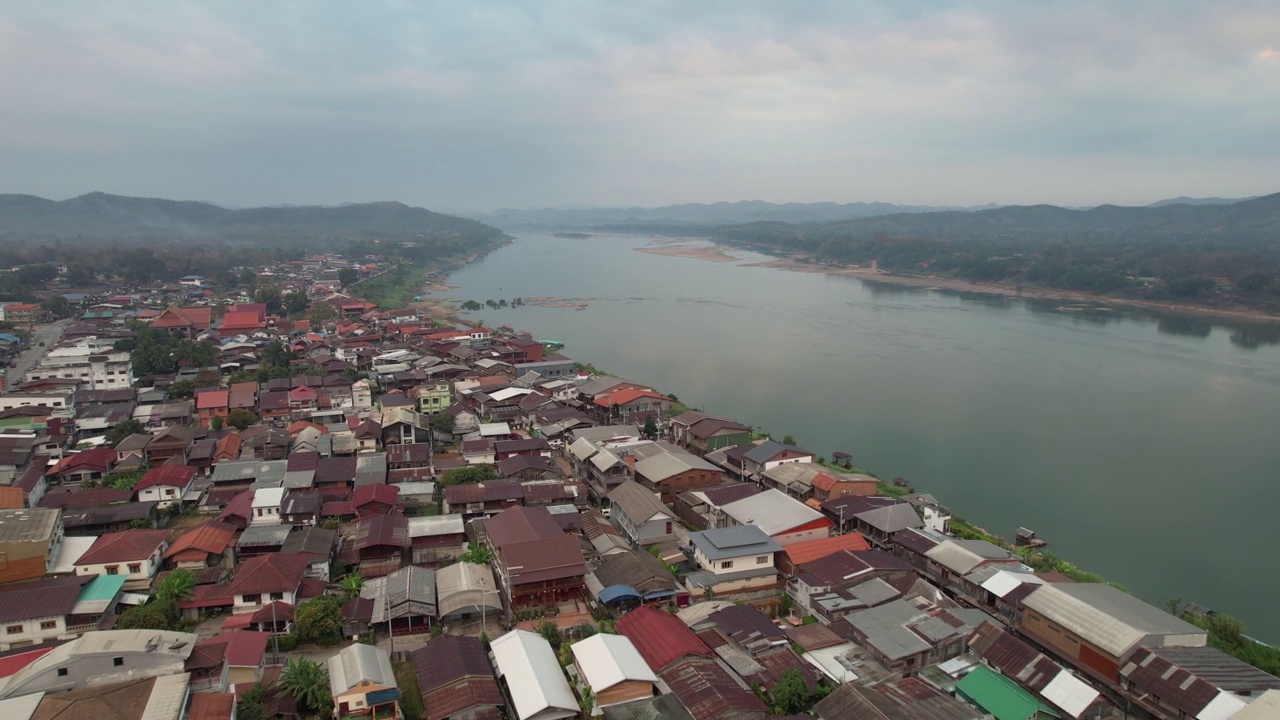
[(214, 510)]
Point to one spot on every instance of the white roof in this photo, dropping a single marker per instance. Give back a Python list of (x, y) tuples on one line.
[(21, 707), (1224, 705), (1005, 581), (508, 393), (356, 663), (772, 511), (70, 551), (1264, 707), (533, 675), (834, 661), (606, 660), (168, 698), (494, 429), (268, 497), (1109, 618), (1070, 693), (425, 525)]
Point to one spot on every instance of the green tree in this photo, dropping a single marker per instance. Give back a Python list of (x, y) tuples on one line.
[(241, 418), (252, 705), (178, 585), (443, 423), (788, 440), (319, 617), (650, 427), (471, 305), (124, 480), (320, 314), (551, 632), (269, 295), (58, 306), (351, 585), (295, 303), (472, 474), (120, 431), (150, 616), (476, 554), (307, 682), (791, 695), (346, 276), (275, 353), (215, 423)]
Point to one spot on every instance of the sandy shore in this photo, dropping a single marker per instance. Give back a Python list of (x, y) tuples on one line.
[(710, 254), (1032, 293)]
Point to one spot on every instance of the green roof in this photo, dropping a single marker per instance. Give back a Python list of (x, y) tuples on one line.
[(103, 587), (1000, 696)]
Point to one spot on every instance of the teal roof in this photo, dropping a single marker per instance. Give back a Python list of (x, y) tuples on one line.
[(103, 587), (1000, 696)]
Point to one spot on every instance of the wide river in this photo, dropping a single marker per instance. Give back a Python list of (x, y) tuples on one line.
[(1143, 448)]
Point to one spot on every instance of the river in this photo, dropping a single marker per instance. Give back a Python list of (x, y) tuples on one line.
[(1143, 448)]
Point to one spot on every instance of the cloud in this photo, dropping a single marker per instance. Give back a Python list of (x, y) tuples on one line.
[(486, 104)]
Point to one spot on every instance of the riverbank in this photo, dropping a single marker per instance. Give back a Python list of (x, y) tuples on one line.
[(709, 254), (1066, 296)]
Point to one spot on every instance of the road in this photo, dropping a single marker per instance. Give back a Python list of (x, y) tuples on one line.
[(47, 334)]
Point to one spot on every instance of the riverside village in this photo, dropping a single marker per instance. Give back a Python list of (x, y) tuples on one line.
[(211, 509)]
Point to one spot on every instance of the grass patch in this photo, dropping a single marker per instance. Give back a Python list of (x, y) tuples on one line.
[(410, 694), (393, 290)]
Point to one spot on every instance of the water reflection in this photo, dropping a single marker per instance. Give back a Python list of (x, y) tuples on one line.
[(888, 289), (1184, 325), (1254, 337)]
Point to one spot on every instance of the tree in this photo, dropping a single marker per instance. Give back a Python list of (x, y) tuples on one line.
[(215, 423), (472, 474), (120, 431), (351, 585), (476, 554), (57, 305), (241, 418), (123, 480), (443, 423), (270, 296), (150, 616), (320, 314), (791, 694), (471, 305), (346, 276), (650, 428), (178, 585), (252, 705), (307, 681), (319, 617), (295, 303), (788, 440), (551, 632), (275, 353)]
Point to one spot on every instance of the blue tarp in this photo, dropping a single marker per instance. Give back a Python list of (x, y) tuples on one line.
[(618, 592), (378, 697)]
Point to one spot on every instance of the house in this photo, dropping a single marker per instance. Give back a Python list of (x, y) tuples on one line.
[(703, 433), (189, 321), (1002, 697), (751, 461), (38, 611), (434, 397), (436, 539), (375, 499), (362, 682), (1097, 627), (207, 545), (634, 574), (639, 515), (779, 515), (131, 452), (241, 322), (1043, 677), (405, 598), (266, 506), (732, 560), (669, 471), (104, 657), (906, 635), (152, 698), (85, 465), (219, 663), (136, 554), (379, 543), (165, 485), (695, 507), (268, 578), (660, 637), (536, 562), (613, 669), (1183, 682), (710, 692), (456, 680), (796, 556), (317, 543), (212, 404), (905, 699), (530, 676), (491, 497), (30, 541), (173, 441)]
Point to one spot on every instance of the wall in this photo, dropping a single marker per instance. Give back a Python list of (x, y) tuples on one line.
[(30, 631)]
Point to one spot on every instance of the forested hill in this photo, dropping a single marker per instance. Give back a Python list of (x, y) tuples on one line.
[(1212, 254), (115, 217)]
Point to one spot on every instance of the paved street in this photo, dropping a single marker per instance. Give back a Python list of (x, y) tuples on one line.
[(47, 334)]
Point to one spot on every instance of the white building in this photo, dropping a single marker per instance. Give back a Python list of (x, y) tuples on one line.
[(95, 363), (266, 506), (53, 400), (529, 672)]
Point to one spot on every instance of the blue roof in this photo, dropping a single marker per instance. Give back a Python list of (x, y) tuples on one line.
[(618, 592), (9, 338)]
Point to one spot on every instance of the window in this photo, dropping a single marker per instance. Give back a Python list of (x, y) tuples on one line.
[(117, 661), (48, 624), (135, 568), (277, 596), (726, 564), (113, 569), (668, 527), (169, 492), (62, 672), (14, 630), (762, 559)]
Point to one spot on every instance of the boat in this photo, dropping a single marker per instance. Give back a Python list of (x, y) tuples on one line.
[(552, 345), (1027, 538)]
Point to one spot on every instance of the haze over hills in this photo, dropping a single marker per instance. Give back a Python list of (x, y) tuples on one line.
[(99, 215)]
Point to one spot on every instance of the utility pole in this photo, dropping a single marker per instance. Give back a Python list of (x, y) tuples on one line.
[(386, 605)]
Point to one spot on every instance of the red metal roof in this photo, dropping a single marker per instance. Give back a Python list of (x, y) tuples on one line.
[(708, 692), (241, 648), (124, 546), (213, 399), (211, 706), (277, 572), (376, 493), (803, 552), (521, 524), (169, 475), (661, 637), (210, 538), (98, 459), (11, 664)]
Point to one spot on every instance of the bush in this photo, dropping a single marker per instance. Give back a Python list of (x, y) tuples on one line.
[(283, 642)]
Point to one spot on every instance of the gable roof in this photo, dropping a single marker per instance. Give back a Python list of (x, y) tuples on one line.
[(810, 550), (773, 511), (212, 537), (532, 673), (275, 572), (358, 663), (1001, 696), (1108, 617), (519, 524), (123, 546), (606, 660), (660, 638), (638, 503), (732, 542), (40, 598), (169, 475)]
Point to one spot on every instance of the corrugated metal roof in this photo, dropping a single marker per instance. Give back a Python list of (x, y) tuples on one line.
[(772, 511), (465, 587), (533, 675), (606, 660), (357, 663), (733, 542), (1000, 696), (1109, 618)]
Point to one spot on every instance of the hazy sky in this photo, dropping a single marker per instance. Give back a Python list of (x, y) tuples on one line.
[(475, 105)]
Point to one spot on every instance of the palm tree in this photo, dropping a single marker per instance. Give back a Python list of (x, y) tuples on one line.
[(178, 585), (307, 681), (351, 585)]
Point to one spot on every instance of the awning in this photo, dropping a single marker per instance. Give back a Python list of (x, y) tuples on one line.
[(614, 593), (237, 622), (659, 594), (378, 697)]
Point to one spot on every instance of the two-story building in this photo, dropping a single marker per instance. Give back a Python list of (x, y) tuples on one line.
[(265, 579), (136, 554), (732, 560), (166, 485), (640, 516)]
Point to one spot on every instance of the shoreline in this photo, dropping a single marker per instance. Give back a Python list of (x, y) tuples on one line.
[(709, 254), (1070, 296)]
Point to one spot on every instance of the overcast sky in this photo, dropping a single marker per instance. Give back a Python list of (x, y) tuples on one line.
[(471, 105)]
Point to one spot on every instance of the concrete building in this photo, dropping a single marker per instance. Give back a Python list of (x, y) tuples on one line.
[(730, 560), (614, 670), (30, 541), (95, 363), (135, 554), (102, 658), (639, 514)]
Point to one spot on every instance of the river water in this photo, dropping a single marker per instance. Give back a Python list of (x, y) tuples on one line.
[(1143, 448)]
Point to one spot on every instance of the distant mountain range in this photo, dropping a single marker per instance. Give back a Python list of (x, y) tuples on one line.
[(729, 213), (99, 215)]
